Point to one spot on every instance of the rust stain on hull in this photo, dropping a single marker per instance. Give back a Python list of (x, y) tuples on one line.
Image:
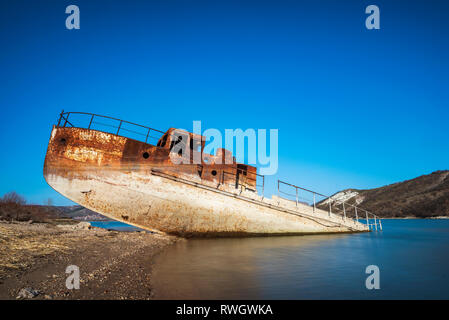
[(137, 183)]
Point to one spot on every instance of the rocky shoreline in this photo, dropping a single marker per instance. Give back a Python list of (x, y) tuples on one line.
[(112, 264)]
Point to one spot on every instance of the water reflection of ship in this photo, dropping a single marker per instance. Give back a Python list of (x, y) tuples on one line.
[(240, 268)]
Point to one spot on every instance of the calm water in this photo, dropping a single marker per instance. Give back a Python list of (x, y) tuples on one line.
[(413, 257), (114, 225)]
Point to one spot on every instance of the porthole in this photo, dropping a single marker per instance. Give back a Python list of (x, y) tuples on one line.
[(145, 155), (214, 172)]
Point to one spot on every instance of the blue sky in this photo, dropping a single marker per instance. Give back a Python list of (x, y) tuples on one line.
[(354, 107)]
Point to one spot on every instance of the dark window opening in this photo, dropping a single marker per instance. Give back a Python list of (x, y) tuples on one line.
[(195, 145), (161, 143), (241, 171), (63, 140), (145, 155), (241, 168), (174, 143), (200, 170), (214, 172)]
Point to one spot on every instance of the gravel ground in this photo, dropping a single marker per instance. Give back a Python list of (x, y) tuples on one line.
[(112, 265)]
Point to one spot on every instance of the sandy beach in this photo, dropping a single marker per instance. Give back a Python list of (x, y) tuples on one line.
[(112, 264)]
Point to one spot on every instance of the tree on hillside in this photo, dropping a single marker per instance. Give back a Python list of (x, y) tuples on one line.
[(13, 197)]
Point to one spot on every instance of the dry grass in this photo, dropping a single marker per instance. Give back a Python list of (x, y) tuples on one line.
[(18, 247)]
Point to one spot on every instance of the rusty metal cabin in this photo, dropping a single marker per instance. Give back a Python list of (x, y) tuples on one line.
[(220, 168)]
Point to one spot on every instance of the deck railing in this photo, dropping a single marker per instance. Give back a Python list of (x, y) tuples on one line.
[(109, 124), (334, 206)]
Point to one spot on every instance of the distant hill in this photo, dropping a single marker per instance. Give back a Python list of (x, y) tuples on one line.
[(425, 196), (24, 212), (80, 213)]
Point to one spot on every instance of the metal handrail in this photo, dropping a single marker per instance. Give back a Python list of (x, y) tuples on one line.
[(377, 220), (64, 116)]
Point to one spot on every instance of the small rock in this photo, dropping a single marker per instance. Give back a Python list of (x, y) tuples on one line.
[(80, 226), (27, 293), (48, 297), (83, 226)]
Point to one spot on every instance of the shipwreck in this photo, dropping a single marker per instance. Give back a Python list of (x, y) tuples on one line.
[(125, 171)]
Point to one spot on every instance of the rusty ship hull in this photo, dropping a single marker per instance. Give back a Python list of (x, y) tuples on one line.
[(136, 183)]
